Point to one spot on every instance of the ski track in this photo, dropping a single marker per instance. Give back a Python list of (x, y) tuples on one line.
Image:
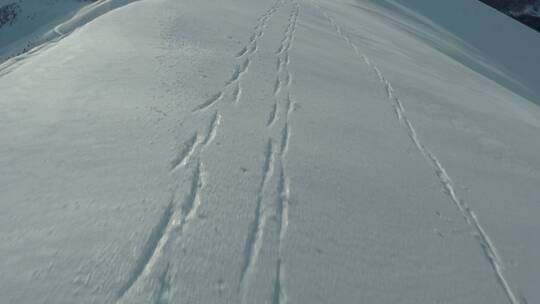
[(177, 216), (193, 201), (244, 57), (282, 213), (153, 244), (172, 224), (275, 161), (186, 153), (191, 146), (277, 294), (209, 102), (212, 129), (283, 77), (487, 245), (282, 216), (283, 185), (273, 114), (256, 229), (237, 94), (164, 286), (255, 233)]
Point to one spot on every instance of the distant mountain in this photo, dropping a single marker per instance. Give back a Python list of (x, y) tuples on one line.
[(525, 11), (9, 13), (23, 23)]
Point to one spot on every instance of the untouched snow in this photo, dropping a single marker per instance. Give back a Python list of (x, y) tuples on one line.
[(273, 152)]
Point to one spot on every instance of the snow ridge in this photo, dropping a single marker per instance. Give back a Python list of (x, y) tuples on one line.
[(470, 216)]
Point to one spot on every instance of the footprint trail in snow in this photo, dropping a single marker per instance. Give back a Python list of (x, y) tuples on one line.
[(487, 245)]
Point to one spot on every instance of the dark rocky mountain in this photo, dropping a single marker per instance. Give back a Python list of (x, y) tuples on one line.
[(9, 13), (525, 11)]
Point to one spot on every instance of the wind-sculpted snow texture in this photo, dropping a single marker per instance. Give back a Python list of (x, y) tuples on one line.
[(287, 151)]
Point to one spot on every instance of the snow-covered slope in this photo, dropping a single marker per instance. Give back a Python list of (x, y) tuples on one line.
[(27, 21), (27, 26), (288, 151)]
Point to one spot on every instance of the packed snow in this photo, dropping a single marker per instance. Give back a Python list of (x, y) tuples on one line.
[(287, 151)]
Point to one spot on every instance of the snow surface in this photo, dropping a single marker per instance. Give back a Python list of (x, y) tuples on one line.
[(288, 151)]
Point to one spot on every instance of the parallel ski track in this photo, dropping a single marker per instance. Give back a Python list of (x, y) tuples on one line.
[(487, 245), (177, 216), (275, 163), (243, 58), (283, 76)]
